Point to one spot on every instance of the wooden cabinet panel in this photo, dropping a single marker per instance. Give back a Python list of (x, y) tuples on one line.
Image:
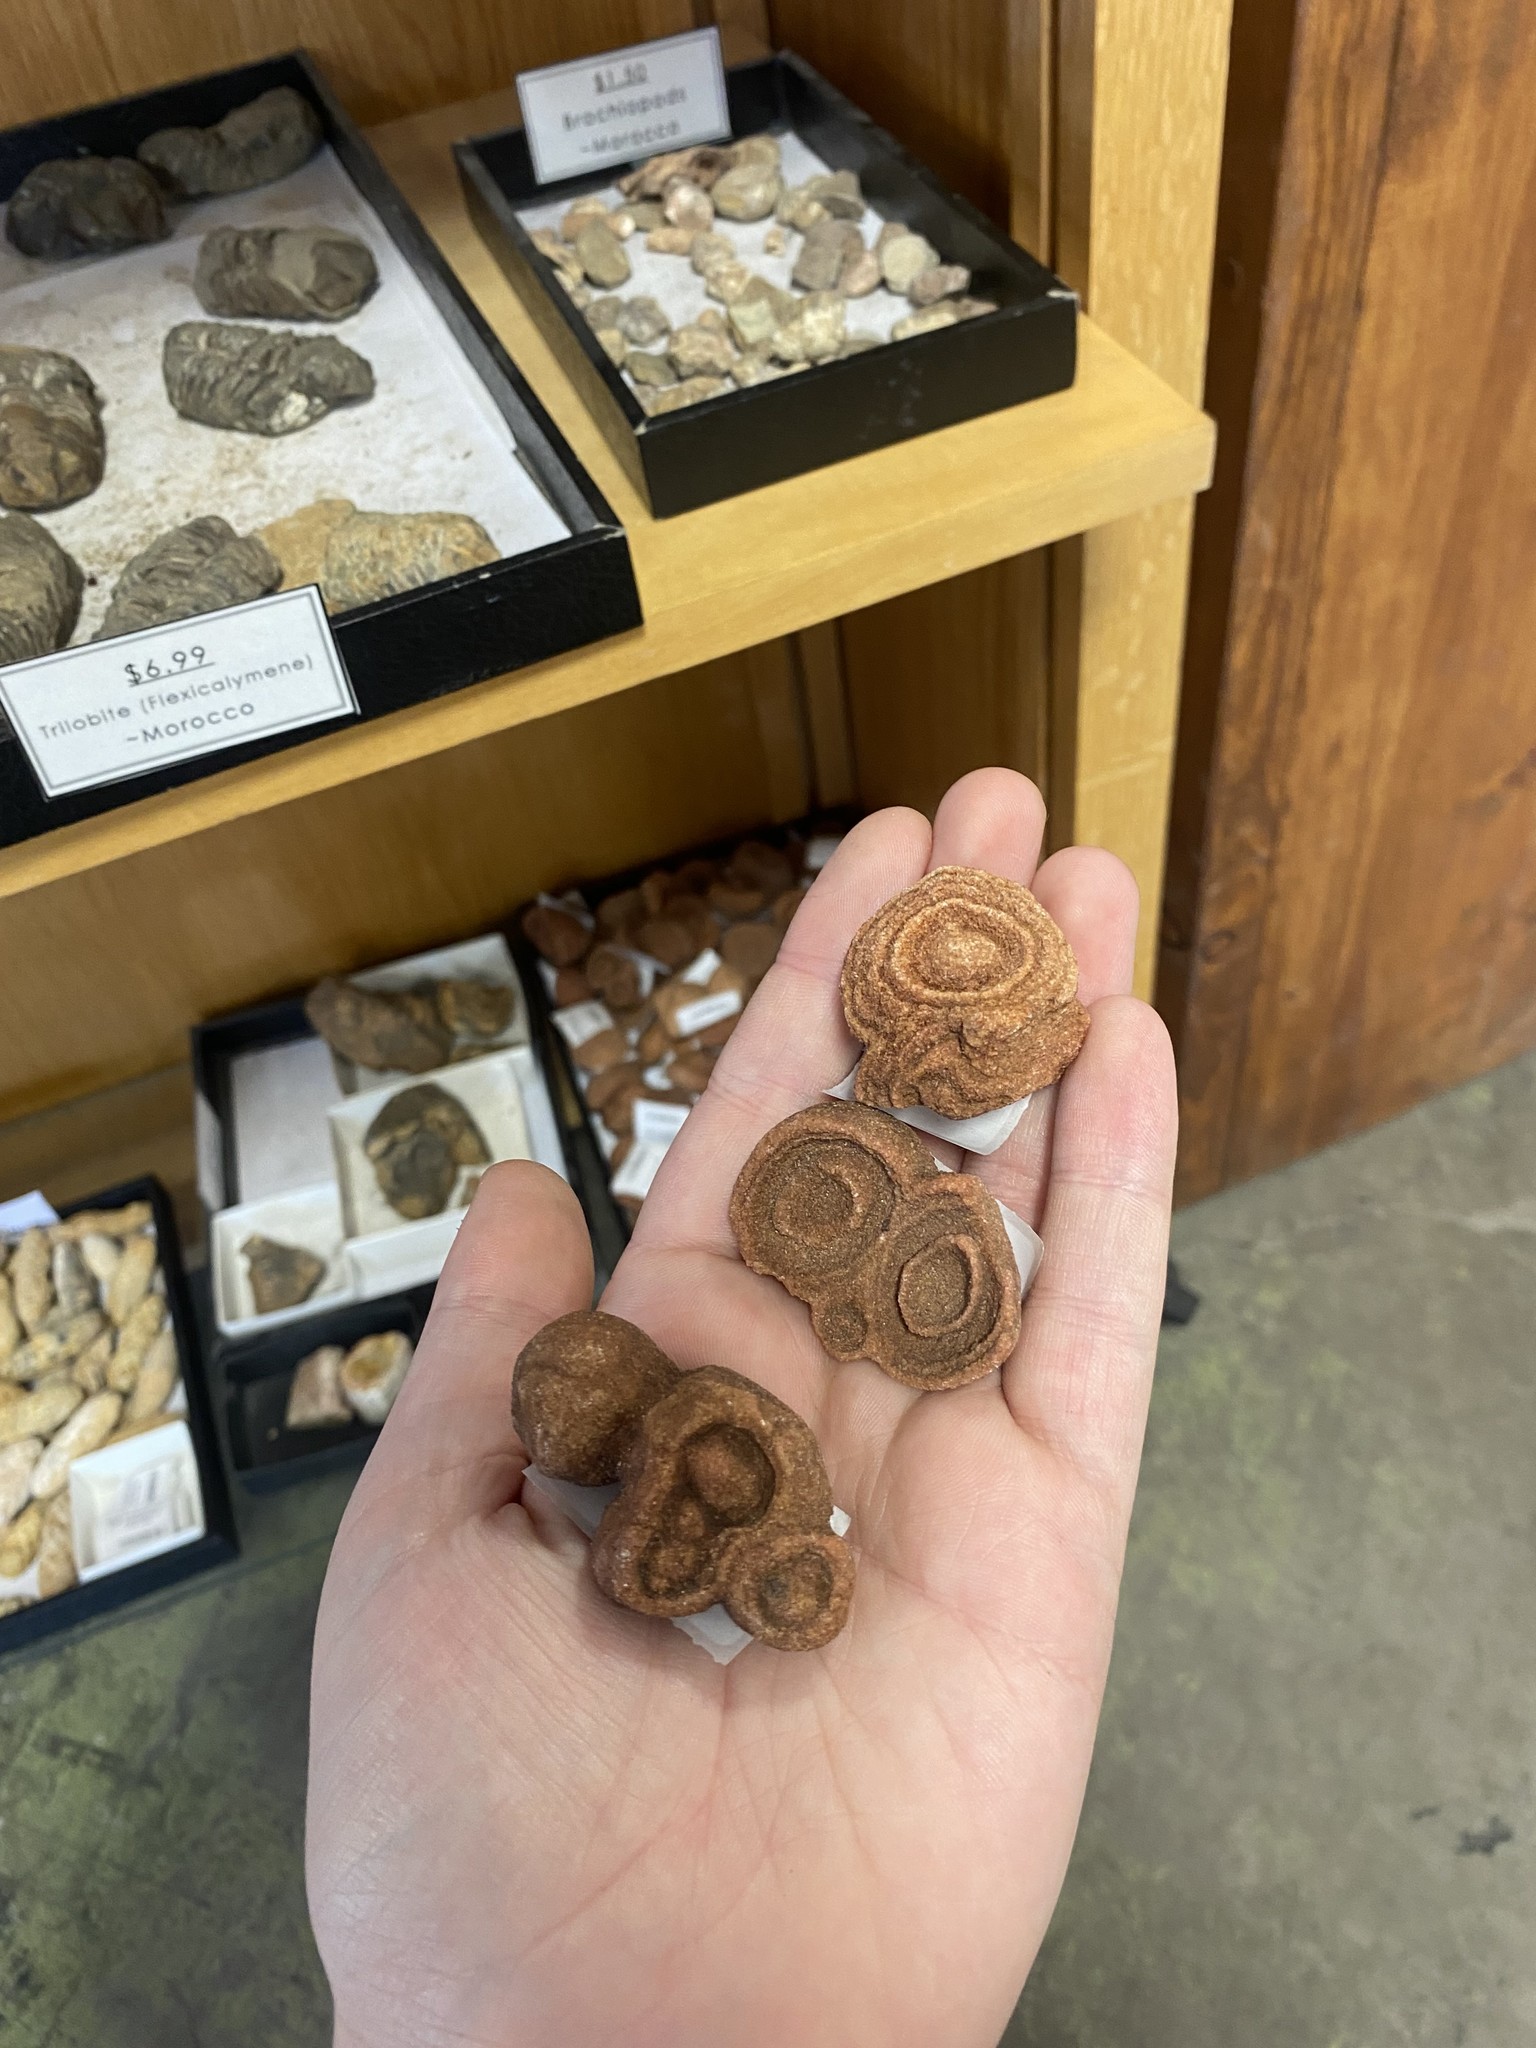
[(1366, 932), (385, 57)]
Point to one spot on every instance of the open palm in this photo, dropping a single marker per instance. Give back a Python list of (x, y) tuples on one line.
[(537, 1819)]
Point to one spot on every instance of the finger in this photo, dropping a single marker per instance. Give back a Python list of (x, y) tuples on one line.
[(792, 1042), (992, 819), (1082, 1373), (1093, 897), (521, 1258)]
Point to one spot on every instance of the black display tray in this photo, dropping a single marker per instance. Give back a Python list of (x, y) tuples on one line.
[(265, 1454), (607, 1222), (218, 1544), (744, 439), (424, 643)]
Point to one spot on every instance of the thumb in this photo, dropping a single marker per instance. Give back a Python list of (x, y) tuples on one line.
[(521, 1258)]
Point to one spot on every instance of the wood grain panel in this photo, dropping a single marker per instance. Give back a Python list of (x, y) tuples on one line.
[(104, 972), (949, 679), (1324, 216), (386, 57), (1257, 92)]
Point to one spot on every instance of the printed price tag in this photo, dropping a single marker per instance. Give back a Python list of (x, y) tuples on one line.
[(581, 1021), (598, 111), (26, 1212), (115, 708)]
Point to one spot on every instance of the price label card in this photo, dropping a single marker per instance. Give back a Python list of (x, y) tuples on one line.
[(636, 102), (115, 708)]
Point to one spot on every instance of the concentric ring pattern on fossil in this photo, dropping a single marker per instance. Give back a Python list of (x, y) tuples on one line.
[(963, 990), (897, 1260), (723, 1497)]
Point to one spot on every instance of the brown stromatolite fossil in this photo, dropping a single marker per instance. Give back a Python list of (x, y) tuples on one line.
[(399, 1029), (579, 1391), (897, 1260), (963, 990), (723, 1495), (559, 934), (52, 449)]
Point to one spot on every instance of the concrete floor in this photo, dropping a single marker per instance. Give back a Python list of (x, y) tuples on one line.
[(1312, 1821)]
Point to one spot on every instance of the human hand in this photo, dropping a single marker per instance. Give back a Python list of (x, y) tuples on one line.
[(538, 1821)]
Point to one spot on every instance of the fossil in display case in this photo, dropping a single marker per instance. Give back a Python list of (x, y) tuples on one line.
[(52, 448), (284, 273), (723, 1497), (257, 380), (418, 1143), (199, 567), (84, 206), (40, 588), (87, 1358), (332, 1387), (400, 1030), (700, 196), (281, 1275), (265, 139), (359, 557)]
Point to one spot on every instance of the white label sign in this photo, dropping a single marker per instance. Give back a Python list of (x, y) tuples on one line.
[(115, 708), (691, 1017), (658, 1123), (630, 103)]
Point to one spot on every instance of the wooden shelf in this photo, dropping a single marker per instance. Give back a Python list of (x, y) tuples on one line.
[(732, 575)]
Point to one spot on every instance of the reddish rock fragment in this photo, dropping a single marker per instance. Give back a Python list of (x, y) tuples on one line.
[(898, 1261)]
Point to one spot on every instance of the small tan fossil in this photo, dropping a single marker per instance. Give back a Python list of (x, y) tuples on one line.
[(19, 1540), (42, 1411), (157, 1377), (133, 1342), (130, 1282), (86, 1430), (56, 1570), (31, 1280)]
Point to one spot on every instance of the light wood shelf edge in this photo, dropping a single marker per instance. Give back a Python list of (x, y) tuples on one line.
[(732, 575)]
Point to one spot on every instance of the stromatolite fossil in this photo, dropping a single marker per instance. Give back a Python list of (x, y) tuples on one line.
[(255, 380), (399, 1029), (418, 1142), (373, 1372), (84, 206), (283, 273), (897, 1260), (281, 1275), (40, 590), (200, 567), (964, 992), (265, 139), (723, 1496), (52, 449)]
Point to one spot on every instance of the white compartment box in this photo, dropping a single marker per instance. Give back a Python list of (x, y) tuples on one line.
[(506, 1095), (308, 1217)]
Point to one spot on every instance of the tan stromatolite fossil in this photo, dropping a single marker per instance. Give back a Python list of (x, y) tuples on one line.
[(723, 1495), (897, 1260), (963, 990)]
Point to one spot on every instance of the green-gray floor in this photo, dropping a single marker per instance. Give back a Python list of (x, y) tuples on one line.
[(1312, 1822)]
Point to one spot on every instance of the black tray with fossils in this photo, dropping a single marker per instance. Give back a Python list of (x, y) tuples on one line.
[(636, 981), (313, 1396), (111, 1482), (739, 313), (340, 1136), (232, 361)]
